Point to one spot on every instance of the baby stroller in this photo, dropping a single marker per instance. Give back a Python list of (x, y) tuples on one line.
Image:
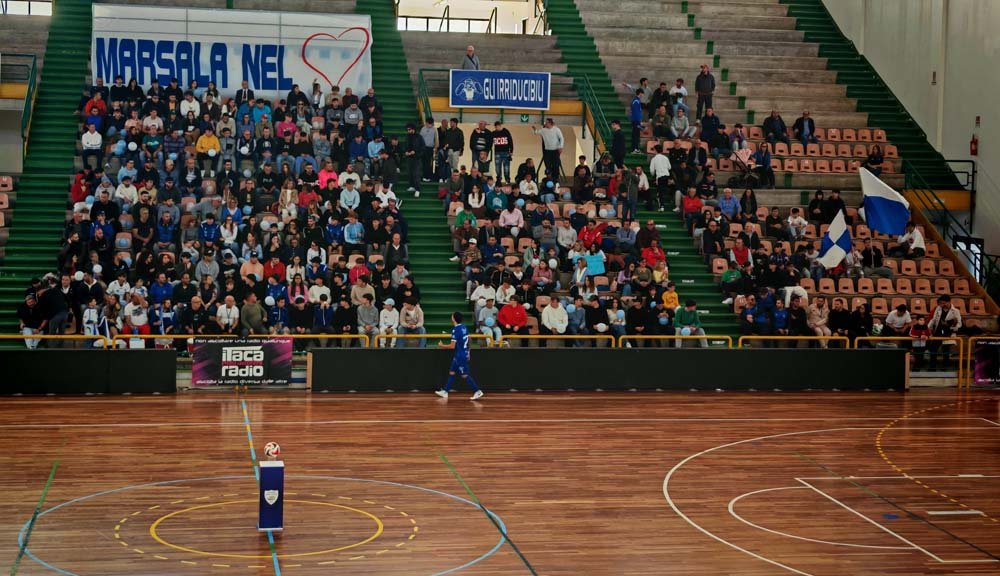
[(746, 177)]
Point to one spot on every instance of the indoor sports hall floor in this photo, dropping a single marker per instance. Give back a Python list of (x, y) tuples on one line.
[(821, 484)]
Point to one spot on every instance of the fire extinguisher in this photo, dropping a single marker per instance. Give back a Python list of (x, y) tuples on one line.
[(974, 143)]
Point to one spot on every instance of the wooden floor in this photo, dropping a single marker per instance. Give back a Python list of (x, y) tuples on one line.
[(821, 484)]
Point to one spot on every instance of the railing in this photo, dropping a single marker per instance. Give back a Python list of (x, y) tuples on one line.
[(22, 69), (122, 341), (94, 340), (541, 16), (423, 98), (492, 24), (940, 349), (507, 339), (443, 336), (825, 341), (713, 341), (951, 230)]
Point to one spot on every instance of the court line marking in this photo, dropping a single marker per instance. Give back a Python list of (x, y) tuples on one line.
[(256, 474), (924, 550), (695, 525), (732, 511), (496, 547), (169, 424), (966, 476), (36, 513), (955, 513)]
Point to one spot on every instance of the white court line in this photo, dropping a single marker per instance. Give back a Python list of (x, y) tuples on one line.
[(865, 517), (732, 511), (993, 422), (955, 513), (894, 477), (475, 421)]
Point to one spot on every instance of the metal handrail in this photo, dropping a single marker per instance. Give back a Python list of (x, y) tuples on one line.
[(494, 21), (541, 16), (423, 98), (31, 78), (445, 17)]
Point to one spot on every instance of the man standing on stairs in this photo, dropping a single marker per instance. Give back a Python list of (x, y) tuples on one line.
[(552, 147), (635, 116), (454, 144), (503, 150), (471, 61), (429, 134), (413, 150), (704, 85), (659, 169)]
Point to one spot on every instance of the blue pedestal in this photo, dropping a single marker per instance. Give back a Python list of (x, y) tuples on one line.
[(271, 517)]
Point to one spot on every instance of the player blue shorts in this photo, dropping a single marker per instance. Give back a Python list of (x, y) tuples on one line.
[(459, 366)]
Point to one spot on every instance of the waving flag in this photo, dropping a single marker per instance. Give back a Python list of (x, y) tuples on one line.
[(885, 210), (836, 242)]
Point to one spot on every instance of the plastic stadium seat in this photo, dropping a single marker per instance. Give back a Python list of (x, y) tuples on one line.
[(959, 304), (861, 232), (962, 286), (508, 244), (453, 208), (511, 259), (927, 268), (897, 302), (885, 286), (860, 151), (719, 265), (4, 201), (756, 133), (667, 145), (879, 307), (765, 246), (3, 220), (838, 167), (734, 230), (908, 268), (845, 286), (890, 151), (850, 135), (711, 163), (941, 286), (762, 212), (725, 165), (752, 146), (932, 250), (6, 183), (650, 145), (833, 134), (858, 301), (776, 164), (797, 149), (918, 306), (541, 302), (600, 281), (879, 135), (904, 286), (532, 325), (893, 266), (806, 165), (853, 166), (780, 149), (123, 241), (947, 268), (821, 133), (829, 150), (977, 307), (375, 258), (812, 150), (791, 165), (826, 286), (843, 150), (808, 284), (864, 135), (682, 145), (866, 286), (811, 231), (922, 286)]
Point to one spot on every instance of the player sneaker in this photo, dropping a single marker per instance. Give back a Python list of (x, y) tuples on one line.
[(441, 393), (479, 394)]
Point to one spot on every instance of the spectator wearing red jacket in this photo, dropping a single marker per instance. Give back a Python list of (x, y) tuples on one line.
[(591, 233), (691, 206), (275, 267), (653, 254), (513, 318)]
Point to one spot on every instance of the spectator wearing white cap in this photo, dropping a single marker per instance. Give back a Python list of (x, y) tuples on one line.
[(388, 323)]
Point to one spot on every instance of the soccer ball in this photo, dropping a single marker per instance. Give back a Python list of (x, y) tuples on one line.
[(272, 450)]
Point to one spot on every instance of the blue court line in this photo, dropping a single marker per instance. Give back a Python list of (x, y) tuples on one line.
[(487, 554), (256, 475)]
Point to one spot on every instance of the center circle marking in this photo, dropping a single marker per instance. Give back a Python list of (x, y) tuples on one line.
[(379, 528)]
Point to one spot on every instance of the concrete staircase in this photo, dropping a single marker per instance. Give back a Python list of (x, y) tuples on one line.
[(863, 83), (495, 51), (39, 213), (25, 35)]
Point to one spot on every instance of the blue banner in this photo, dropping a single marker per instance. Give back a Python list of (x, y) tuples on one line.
[(272, 496), (499, 89)]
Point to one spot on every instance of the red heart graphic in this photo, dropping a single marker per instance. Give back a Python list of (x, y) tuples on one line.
[(368, 42)]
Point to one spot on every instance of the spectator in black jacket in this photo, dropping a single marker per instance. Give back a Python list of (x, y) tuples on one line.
[(413, 152), (617, 144), (775, 129), (804, 129)]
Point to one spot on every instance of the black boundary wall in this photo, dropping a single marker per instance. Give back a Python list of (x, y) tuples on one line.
[(400, 370), (88, 371)]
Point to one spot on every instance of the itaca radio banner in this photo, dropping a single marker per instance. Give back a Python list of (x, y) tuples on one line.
[(270, 50), (241, 361), (499, 89)]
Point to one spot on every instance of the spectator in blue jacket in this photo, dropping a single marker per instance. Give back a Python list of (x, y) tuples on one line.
[(729, 205), (209, 232), (160, 290), (635, 116)]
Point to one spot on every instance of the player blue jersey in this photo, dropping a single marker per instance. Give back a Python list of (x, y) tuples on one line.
[(460, 336)]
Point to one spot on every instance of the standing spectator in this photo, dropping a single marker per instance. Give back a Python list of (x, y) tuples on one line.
[(552, 147), (635, 117), (503, 150), (804, 129), (945, 322), (704, 86), (429, 135), (454, 144), (471, 60), (617, 144), (659, 169)]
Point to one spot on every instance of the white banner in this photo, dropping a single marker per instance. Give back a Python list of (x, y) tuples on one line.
[(271, 50)]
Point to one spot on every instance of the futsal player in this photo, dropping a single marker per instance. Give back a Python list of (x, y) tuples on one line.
[(460, 362)]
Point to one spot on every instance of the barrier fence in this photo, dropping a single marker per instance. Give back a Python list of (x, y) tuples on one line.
[(712, 341), (941, 349), (122, 340), (59, 337), (824, 341), (446, 336), (506, 339), (982, 365)]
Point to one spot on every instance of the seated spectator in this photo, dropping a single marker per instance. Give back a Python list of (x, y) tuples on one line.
[(875, 160), (910, 244), (738, 138), (898, 322), (775, 129), (804, 129)]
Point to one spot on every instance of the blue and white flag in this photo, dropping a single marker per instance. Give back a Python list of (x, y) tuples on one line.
[(836, 244), (885, 210)]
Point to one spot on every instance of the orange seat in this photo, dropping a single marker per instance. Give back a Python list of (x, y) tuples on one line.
[(891, 151), (941, 286), (541, 302), (775, 164), (892, 265), (374, 258), (858, 301), (780, 149), (797, 149), (3, 220), (6, 183), (977, 307), (922, 286), (885, 286), (812, 150), (826, 286), (791, 165), (719, 265), (962, 286), (897, 302), (861, 232), (850, 135), (959, 304), (808, 284), (854, 165), (918, 306), (904, 286), (806, 165), (4, 201), (821, 133), (843, 150), (860, 151), (845, 286), (838, 166), (927, 268), (508, 244), (864, 135), (712, 165), (866, 286), (811, 231), (908, 268), (879, 135), (947, 268), (879, 307), (829, 150), (932, 250), (823, 165), (650, 146), (762, 212), (725, 165), (756, 133), (833, 134)]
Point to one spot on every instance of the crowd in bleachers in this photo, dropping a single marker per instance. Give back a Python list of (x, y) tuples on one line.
[(195, 212)]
